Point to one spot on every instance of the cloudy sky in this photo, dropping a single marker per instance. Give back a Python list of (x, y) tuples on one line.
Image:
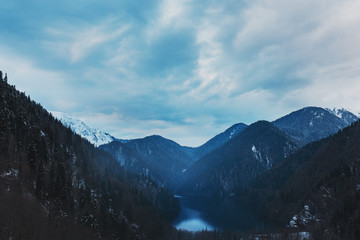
[(183, 69)]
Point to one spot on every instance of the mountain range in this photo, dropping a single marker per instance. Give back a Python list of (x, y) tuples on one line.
[(259, 147), (60, 179), (179, 167)]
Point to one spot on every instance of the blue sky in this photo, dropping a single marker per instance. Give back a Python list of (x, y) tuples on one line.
[(183, 69)]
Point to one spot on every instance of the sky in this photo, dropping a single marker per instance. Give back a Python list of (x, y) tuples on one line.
[(186, 70)]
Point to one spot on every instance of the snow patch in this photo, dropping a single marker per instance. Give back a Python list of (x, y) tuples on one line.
[(344, 114), (304, 235), (93, 135), (337, 112), (268, 164), (231, 134), (253, 149), (303, 218), (261, 157), (257, 154), (10, 173)]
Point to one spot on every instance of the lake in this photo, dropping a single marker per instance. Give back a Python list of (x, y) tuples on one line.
[(202, 213)]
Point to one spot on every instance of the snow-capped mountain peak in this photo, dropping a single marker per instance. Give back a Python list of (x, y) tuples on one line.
[(343, 114), (93, 135)]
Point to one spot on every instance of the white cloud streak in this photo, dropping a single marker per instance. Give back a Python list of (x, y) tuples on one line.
[(76, 43), (185, 68)]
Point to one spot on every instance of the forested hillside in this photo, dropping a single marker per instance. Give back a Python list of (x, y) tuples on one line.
[(251, 153), (56, 185), (159, 158), (317, 188)]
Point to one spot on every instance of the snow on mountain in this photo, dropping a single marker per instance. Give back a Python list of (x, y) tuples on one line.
[(314, 123), (93, 135), (344, 115)]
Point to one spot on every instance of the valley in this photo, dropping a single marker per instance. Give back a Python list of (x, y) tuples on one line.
[(298, 175)]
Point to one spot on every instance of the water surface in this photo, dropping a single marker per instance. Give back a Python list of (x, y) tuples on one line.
[(202, 213)]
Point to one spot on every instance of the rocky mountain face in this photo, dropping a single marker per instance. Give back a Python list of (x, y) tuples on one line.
[(93, 135), (344, 115), (252, 152), (313, 123)]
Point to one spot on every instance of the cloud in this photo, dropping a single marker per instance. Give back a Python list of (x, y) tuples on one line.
[(183, 69), (126, 127), (36, 82), (75, 42)]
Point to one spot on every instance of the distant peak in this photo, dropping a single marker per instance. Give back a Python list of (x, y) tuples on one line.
[(153, 137), (262, 125), (343, 114), (337, 111), (237, 125), (93, 135), (311, 109)]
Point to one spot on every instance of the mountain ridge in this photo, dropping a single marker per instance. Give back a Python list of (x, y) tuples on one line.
[(56, 185), (93, 135), (138, 155), (316, 189), (254, 150), (314, 123)]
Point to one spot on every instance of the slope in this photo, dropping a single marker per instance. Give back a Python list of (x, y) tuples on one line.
[(313, 123), (215, 142), (93, 135), (159, 158), (246, 156), (317, 189), (55, 185)]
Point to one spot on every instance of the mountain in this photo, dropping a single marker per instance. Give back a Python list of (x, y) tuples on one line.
[(249, 154), (162, 159), (313, 123), (93, 135), (56, 185), (159, 158), (316, 189), (216, 141), (344, 115)]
